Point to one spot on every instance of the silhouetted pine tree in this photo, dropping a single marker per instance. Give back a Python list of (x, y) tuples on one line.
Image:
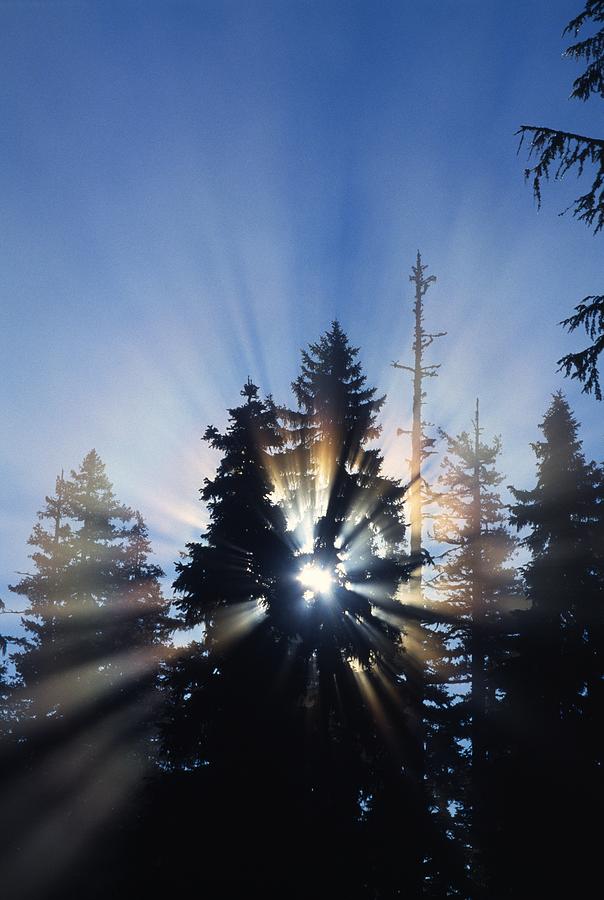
[(350, 525), (550, 768), (353, 516), (226, 747), (476, 584), (95, 621), (290, 716), (347, 516)]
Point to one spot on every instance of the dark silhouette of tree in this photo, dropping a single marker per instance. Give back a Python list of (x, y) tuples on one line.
[(550, 765), (228, 580), (351, 514), (421, 444), (476, 583), (293, 715), (354, 519), (559, 152), (226, 743), (427, 674), (85, 704)]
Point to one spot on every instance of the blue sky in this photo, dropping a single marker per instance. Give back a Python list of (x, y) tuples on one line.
[(192, 191)]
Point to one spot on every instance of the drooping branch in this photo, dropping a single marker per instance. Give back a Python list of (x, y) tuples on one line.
[(590, 49), (557, 152), (583, 365)]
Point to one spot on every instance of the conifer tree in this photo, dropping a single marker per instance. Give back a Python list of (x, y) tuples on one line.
[(292, 716), (289, 709), (358, 539), (88, 676), (550, 769), (351, 515), (246, 526), (225, 732), (476, 583), (565, 576), (91, 576)]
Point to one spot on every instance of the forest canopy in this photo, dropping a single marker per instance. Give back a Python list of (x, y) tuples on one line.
[(321, 613), (332, 681)]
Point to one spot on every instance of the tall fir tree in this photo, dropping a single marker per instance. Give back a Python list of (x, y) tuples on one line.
[(550, 770), (348, 515), (357, 538), (229, 578), (93, 597), (353, 530), (293, 708), (95, 623), (476, 584), (225, 732)]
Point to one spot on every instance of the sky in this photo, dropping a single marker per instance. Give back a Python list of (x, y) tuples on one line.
[(192, 191)]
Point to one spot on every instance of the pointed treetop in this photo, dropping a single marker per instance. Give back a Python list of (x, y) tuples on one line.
[(91, 491), (331, 388), (560, 430), (249, 390)]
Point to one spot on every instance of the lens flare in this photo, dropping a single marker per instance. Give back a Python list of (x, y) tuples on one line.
[(315, 579)]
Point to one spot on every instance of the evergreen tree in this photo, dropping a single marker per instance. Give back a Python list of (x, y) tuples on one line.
[(353, 531), (93, 597), (476, 583), (357, 539), (565, 576), (348, 516), (95, 623), (230, 578), (560, 152), (550, 769), (291, 709), (225, 732)]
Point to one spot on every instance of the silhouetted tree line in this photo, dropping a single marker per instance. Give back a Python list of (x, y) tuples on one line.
[(324, 707), (326, 730)]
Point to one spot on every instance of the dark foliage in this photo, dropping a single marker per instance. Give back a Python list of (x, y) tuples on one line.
[(547, 761), (476, 584), (557, 153), (338, 733), (85, 697), (293, 719)]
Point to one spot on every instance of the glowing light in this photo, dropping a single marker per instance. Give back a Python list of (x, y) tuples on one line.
[(315, 579)]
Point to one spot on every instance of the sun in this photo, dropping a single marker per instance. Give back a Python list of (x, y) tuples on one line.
[(315, 579)]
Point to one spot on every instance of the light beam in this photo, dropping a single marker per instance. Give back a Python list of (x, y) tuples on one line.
[(315, 579)]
